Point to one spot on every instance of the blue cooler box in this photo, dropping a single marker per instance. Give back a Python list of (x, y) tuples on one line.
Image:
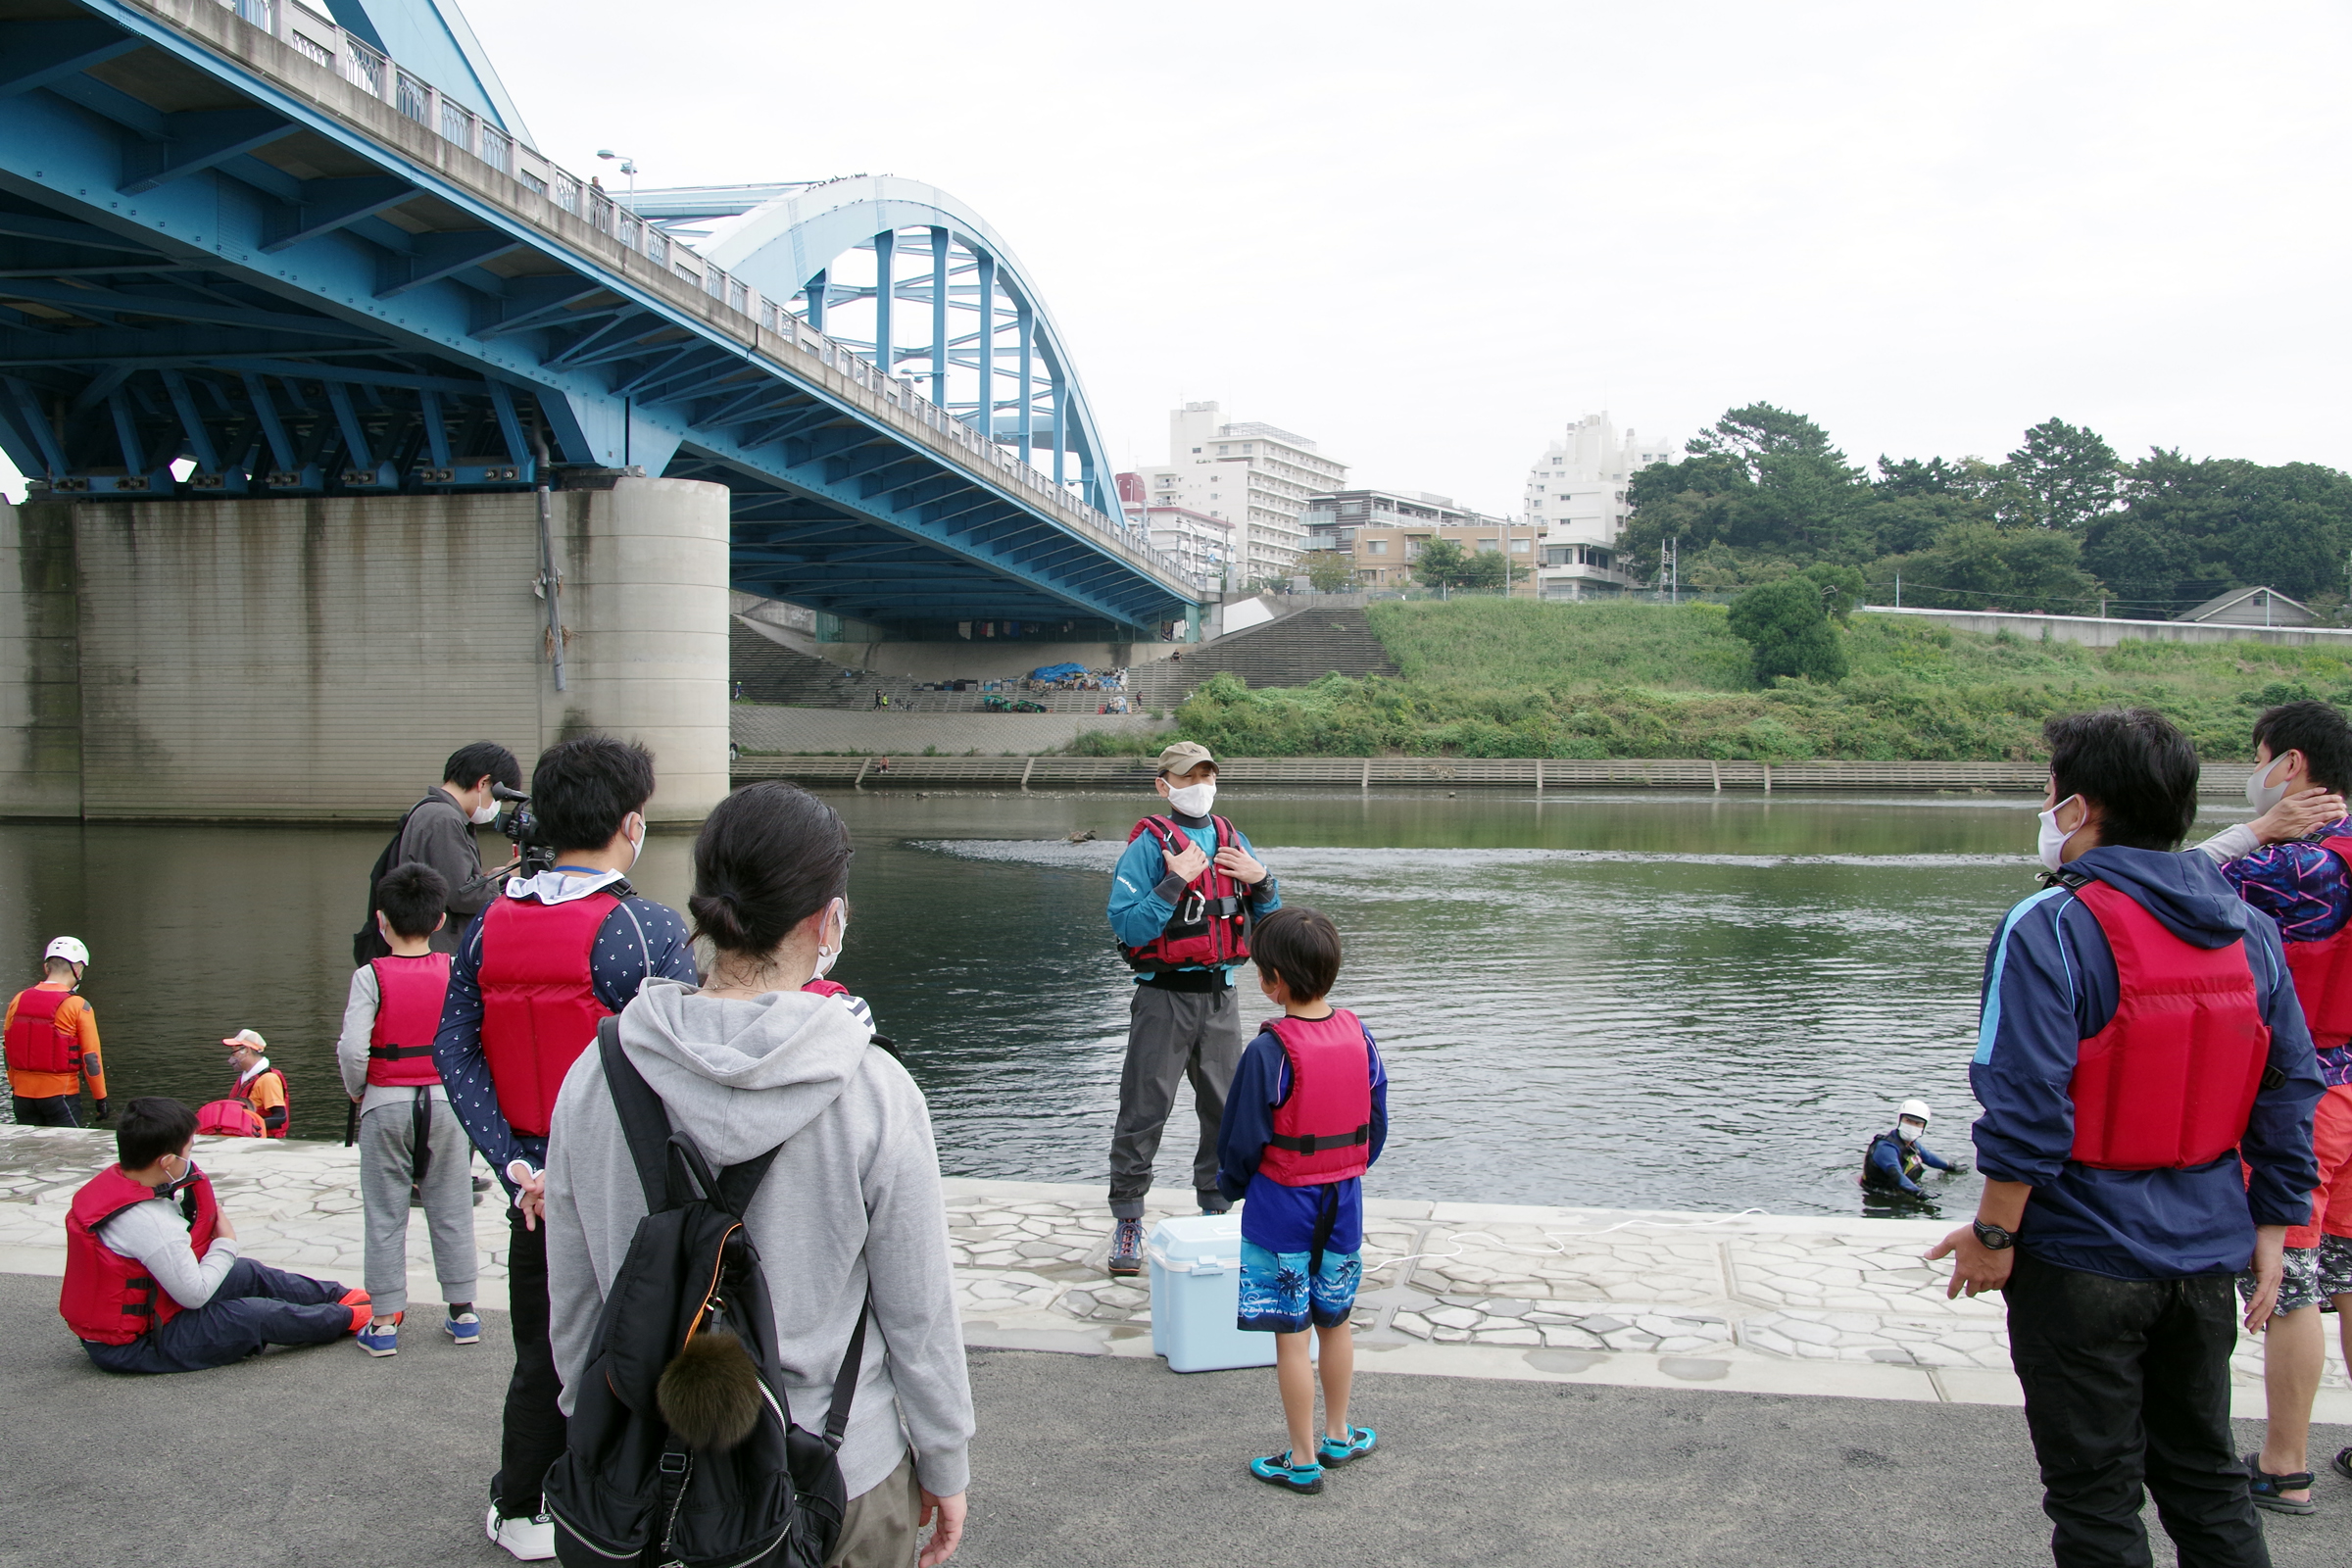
[(1196, 1293)]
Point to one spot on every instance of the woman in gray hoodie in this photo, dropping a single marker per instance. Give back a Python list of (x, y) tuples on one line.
[(849, 1210)]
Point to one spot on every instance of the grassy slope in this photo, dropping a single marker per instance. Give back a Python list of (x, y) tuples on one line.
[(1490, 677)]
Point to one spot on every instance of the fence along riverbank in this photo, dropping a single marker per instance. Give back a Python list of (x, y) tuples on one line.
[(1541, 774)]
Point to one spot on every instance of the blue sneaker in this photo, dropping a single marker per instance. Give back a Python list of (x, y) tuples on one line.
[(1278, 1471), (463, 1328), (380, 1338), (1359, 1442)]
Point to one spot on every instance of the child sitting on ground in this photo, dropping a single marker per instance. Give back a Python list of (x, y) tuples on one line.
[(1307, 1114), (409, 1138), (153, 1279)]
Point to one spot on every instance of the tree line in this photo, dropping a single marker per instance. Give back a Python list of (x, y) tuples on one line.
[(2061, 526)]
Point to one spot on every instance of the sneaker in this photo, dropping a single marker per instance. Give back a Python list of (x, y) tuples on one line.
[(526, 1540), (465, 1329), (1276, 1470), (384, 1340), (1127, 1247)]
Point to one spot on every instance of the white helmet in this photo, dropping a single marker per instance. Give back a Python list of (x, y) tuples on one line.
[(1913, 1109), (68, 949)]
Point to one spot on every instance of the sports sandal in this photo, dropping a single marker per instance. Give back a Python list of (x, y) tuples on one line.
[(2267, 1488), (2342, 1464), (1278, 1471), (1360, 1442)]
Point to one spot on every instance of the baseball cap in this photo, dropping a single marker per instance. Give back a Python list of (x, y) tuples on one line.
[(247, 1037), (1184, 757)]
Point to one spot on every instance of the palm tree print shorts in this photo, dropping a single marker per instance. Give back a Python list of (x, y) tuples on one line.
[(1278, 1293)]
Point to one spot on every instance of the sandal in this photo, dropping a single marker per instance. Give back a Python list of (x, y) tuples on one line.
[(1278, 1471), (1361, 1441), (2342, 1464), (2267, 1487)]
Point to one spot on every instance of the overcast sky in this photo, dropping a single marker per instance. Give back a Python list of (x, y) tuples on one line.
[(1428, 237)]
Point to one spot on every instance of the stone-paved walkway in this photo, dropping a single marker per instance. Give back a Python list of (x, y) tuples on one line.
[(1764, 1303)]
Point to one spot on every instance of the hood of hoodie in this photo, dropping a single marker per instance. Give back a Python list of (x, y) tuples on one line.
[(2186, 892), (741, 1076)]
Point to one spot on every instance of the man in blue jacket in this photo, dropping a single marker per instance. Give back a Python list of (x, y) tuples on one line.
[(1182, 901), (2115, 1215)]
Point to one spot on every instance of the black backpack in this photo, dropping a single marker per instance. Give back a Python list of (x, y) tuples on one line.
[(682, 1451), (368, 943)]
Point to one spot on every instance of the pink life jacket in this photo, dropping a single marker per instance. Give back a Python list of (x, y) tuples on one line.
[(2170, 1082), (408, 1014), (1323, 1132)]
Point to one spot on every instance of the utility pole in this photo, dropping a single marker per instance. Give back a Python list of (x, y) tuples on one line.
[(1898, 590)]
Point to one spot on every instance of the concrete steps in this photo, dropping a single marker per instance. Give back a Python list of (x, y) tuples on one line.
[(1293, 651)]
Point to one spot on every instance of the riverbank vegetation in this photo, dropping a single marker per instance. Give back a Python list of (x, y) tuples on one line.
[(1495, 678)]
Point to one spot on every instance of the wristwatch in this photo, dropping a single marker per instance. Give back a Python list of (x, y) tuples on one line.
[(1993, 1239)]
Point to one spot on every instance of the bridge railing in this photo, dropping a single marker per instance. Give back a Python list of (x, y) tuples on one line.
[(330, 47)]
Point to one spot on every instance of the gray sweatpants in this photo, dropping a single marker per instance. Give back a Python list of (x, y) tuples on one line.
[(1172, 1036), (387, 1161)]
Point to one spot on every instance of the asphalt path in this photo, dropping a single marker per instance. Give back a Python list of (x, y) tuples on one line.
[(325, 1456)]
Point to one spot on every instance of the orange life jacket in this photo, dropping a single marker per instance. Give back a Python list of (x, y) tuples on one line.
[(35, 1041), (408, 1014), (2170, 1082), (109, 1297), (539, 1003)]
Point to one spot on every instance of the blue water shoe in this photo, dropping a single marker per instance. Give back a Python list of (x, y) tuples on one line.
[(1278, 1471), (1359, 1442)]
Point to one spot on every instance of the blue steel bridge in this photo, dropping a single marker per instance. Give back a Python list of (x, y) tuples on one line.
[(247, 249)]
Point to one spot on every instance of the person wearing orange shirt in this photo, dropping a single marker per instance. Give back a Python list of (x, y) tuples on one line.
[(258, 1085), (50, 1037)]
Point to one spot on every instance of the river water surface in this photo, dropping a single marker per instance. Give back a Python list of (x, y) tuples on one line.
[(1689, 1001)]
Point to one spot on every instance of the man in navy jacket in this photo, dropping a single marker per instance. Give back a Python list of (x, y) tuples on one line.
[(2120, 1275)]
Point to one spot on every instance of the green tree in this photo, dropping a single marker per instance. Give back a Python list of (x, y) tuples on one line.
[(2064, 476), (1762, 479), (1440, 564), (1841, 588), (1484, 570), (1975, 566), (1788, 631), (1330, 571), (2192, 528)]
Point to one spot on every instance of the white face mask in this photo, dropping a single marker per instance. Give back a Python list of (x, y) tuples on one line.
[(2050, 844), (2262, 796), (636, 844), (839, 914), (483, 816), (1908, 1131), (1194, 800)]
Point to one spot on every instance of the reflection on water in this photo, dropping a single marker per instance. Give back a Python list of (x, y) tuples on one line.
[(1683, 1002)]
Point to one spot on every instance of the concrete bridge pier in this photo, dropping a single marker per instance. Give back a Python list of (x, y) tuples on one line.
[(316, 658)]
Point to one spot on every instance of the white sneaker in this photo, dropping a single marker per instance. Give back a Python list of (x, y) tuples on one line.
[(531, 1539)]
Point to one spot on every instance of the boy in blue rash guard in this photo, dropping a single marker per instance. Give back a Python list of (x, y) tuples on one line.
[(1308, 1115), (2115, 1215), (1181, 904)]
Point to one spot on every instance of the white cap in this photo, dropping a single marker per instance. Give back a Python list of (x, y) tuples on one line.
[(68, 949), (246, 1039), (1914, 1109)]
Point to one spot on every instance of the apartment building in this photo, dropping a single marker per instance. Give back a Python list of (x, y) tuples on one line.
[(1383, 532), (1252, 476), (1578, 499)]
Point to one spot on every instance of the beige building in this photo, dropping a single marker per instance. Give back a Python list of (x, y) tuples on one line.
[(1255, 477), (1383, 533)]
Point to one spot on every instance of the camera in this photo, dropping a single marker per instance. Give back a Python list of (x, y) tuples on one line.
[(533, 853)]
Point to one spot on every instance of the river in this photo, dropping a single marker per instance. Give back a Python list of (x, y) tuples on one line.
[(1689, 1001)]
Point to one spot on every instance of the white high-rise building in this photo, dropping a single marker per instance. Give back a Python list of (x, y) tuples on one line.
[(1254, 477), (1577, 490)]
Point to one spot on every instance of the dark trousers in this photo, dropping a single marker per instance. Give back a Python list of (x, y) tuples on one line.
[(533, 1439), (255, 1305), (1172, 1036), (2127, 1382), (50, 1110)]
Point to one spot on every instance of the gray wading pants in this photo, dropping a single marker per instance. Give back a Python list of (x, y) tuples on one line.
[(1172, 1036), (387, 1163)]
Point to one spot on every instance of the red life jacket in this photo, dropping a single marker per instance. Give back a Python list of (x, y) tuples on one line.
[(826, 988), (231, 1118), (107, 1296), (2171, 1081), (408, 1014), (241, 1090), (1323, 1132), (34, 1043), (2323, 973), (1210, 925), (539, 1003)]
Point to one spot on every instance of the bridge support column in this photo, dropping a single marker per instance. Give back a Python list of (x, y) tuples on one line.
[(318, 659)]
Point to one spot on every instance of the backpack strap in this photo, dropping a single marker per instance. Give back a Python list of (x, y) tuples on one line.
[(644, 1119), (845, 1378)]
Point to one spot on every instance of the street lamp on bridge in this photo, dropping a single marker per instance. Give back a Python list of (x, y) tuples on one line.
[(628, 167)]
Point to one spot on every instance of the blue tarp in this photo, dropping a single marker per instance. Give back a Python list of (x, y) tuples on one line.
[(1057, 671)]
